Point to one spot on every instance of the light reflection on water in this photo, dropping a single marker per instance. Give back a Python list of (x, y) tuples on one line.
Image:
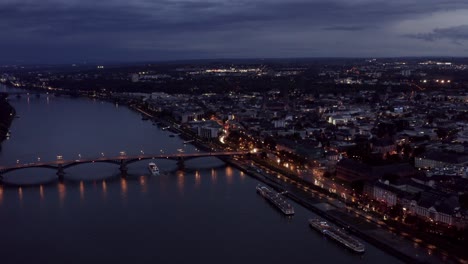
[(180, 181), (20, 193), (197, 179), (229, 174), (82, 190), (104, 189), (144, 186), (123, 189), (41, 192), (214, 176), (61, 192)]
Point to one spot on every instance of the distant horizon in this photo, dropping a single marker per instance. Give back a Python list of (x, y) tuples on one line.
[(195, 60)]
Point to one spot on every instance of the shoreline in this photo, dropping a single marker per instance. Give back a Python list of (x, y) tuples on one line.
[(7, 114), (375, 240)]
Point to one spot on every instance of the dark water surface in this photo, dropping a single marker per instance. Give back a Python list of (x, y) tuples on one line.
[(207, 213)]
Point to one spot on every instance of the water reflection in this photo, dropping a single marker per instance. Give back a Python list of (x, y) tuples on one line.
[(61, 192), (180, 181), (197, 179), (41, 192), (1, 195), (123, 188), (82, 189), (229, 174), (143, 184), (20, 194), (214, 176), (104, 189), (242, 175)]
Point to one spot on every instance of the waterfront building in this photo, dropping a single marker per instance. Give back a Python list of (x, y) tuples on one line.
[(438, 159)]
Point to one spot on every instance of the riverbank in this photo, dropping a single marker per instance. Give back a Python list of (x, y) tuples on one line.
[(7, 114), (338, 214)]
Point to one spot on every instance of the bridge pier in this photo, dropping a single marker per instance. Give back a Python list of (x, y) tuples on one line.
[(123, 168), (60, 172)]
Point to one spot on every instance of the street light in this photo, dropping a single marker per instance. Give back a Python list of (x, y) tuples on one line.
[(79, 156)]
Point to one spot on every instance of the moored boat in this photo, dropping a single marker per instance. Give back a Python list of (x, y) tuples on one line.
[(153, 168), (276, 199), (337, 235)]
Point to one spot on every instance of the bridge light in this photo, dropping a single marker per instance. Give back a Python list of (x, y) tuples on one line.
[(38, 159), (102, 153), (59, 157), (122, 153), (17, 161)]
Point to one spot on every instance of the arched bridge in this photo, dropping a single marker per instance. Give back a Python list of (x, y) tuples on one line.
[(122, 161)]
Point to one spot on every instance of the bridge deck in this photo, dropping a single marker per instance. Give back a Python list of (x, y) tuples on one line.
[(118, 160)]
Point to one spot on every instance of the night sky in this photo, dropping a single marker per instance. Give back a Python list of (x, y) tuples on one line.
[(74, 31)]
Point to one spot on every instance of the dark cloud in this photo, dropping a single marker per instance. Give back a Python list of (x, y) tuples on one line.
[(345, 28), (456, 34), (189, 28)]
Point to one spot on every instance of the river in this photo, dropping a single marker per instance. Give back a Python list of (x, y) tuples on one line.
[(207, 213)]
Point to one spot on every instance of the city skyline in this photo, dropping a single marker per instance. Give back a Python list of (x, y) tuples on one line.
[(76, 31)]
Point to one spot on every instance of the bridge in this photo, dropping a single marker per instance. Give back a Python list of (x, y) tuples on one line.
[(122, 161)]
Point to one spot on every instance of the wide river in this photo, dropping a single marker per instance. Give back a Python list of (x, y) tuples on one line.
[(207, 213)]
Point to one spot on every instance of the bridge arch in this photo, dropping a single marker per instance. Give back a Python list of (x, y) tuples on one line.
[(122, 161)]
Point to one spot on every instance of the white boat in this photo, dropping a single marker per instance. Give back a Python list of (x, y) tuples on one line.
[(153, 168), (276, 199), (337, 234)]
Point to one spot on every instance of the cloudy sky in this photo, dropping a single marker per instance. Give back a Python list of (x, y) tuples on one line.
[(133, 30)]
